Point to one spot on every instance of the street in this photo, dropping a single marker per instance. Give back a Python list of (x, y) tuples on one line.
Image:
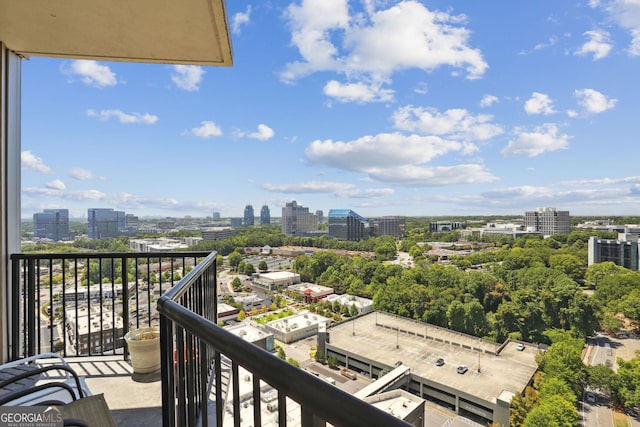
[(605, 350)]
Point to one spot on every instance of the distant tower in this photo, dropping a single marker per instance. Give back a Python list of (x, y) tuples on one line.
[(216, 216), (265, 215), (105, 223), (320, 216), (248, 216), (52, 224), (296, 220)]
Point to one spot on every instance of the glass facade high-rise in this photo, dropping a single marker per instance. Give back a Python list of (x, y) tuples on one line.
[(297, 221), (105, 223), (248, 216), (51, 224), (387, 226), (265, 215), (345, 224)]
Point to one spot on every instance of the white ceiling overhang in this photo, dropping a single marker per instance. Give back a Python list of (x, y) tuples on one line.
[(158, 31)]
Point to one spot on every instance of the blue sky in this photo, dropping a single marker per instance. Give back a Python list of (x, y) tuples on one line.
[(411, 108)]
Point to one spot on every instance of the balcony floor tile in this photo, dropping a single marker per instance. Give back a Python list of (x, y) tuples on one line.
[(135, 400)]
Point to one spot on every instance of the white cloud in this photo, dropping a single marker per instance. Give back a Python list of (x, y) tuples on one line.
[(605, 181), (376, 44), (240, 19), (85, 195), (207, 130), (326, 187), (187, 77), (56, 184), (29, 160), (488, 100), (421, 88), (539, 103), (357, 92), (594, 101), (434, 176), (104, 115), (552, 41), (598, 44), (91, 73), (83, 174), (397, 158), (455, 123), (626, 13), (543, 139), (263, 133), (383, 150)]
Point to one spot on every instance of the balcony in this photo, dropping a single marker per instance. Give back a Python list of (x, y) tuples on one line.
[(178, 292)]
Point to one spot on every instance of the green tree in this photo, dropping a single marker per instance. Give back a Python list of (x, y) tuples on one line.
[(554, 411), (353, 310), (234, 259), (332, 362), (601, 377), (281, 354), (522, 404), (262, 266), (236, 284), (249, 269)]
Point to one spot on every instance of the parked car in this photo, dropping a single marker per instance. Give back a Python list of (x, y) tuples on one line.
[(462, 369), (591, 397), (440, 361), (520, 347)]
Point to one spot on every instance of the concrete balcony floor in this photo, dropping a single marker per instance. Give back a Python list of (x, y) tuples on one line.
[(135, 400)]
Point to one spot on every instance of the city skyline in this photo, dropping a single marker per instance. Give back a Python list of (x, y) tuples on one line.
[(387, 108)]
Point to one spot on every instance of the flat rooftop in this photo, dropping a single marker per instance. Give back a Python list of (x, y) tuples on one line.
[(388, 339), (278, 275)]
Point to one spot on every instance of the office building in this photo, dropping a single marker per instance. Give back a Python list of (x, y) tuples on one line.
[(235, 222), (217, 233), (51, 224), (297, 221), (320, 216), (444, 226), (548, 221), (105, 223), (387, 226), (248, 216), (216, 216), (265, 215), (345, 224), (623, 252)]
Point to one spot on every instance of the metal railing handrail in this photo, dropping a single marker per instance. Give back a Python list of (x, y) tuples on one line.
[(320, 402), (32, 274)]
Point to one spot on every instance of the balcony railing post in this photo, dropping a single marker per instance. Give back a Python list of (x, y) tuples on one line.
[(125, 304), (16, 292), (31, 307), (167, 371)]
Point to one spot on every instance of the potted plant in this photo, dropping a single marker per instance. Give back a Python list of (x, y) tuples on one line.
[(144, 349)]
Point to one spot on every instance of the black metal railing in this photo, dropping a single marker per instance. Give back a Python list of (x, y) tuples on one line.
[(82, 304), (196, 352)]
